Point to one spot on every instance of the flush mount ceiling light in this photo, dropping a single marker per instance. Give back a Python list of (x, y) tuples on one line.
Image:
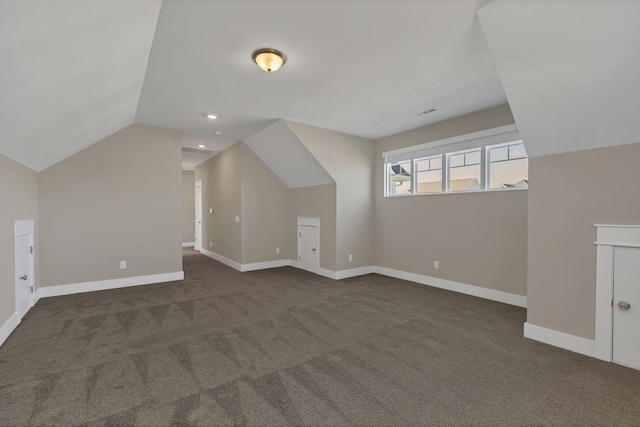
[(202, 146), (269, 59), (212, 116)]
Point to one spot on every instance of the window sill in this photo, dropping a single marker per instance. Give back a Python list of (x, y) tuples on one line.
[(504, 190)]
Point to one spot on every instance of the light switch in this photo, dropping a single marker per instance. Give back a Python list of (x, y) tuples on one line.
[(237, 218), (210, 210)]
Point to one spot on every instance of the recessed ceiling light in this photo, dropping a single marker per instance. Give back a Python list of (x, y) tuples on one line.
[(212, 116), (218, 133), (202, 146)]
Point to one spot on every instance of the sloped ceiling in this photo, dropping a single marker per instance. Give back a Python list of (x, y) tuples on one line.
[(360, 67), (281, 150), (570, 70), (71, 73)]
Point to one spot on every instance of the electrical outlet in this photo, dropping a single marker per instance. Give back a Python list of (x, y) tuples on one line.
[(123, 265), (436, 264), (350, 257), (210, 244), (277, 251)]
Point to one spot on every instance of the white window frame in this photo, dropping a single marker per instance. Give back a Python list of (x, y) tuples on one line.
[(445, 147)]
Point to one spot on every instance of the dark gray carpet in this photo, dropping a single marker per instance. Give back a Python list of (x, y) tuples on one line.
[(283, 346)]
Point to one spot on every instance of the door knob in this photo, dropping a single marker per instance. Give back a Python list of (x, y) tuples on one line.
[(623, 305), (23, 277)]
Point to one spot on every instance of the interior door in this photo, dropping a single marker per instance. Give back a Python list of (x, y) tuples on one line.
[(308, 241), (25, 261), (626, 306), (198, 239)]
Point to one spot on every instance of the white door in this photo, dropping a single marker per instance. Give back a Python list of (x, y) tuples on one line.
[(308, 247), (25, 268), (626, 306), (198, 241)]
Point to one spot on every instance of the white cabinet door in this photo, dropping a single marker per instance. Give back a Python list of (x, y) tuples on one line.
[(626, 306), (308, 248)]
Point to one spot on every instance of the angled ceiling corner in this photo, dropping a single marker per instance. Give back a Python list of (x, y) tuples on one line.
[(569, 70), (72, 74), (283, 152)]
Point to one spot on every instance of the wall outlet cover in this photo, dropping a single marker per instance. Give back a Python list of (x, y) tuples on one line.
[(123, 265)]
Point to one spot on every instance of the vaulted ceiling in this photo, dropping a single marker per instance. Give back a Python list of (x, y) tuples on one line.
[(75, 71)]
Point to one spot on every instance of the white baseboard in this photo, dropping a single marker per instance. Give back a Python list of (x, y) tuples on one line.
[(324, 272), (100, 285), (267, 264), (247, 267), (8, 327), (353, 272), (504, 297), (226, 261), (562, 340), (476, 291), (188, 244), (344, 274)]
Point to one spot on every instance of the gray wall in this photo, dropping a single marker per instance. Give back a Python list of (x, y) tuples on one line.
[(18, 201), (265, 213), (319, 202), (570, 193), (479, 239), (119, 199), (221, 184), (349, 161), (188, 207)]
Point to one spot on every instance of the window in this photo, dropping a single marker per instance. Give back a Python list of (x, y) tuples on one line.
[(465, 170), (429, 171), (508, 166), (490, 160), (399, 178)]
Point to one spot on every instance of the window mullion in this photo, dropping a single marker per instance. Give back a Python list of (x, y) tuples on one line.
[(414, 176), (484, 168), (445, 173)]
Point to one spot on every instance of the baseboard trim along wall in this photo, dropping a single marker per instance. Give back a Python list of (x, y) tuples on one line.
[(226, 261), (476, 291), (8, 327), (344, 274), (562, 340), (101, 285), (188, 244), (267, 264)]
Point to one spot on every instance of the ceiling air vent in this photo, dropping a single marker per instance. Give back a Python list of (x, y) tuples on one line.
[(422, 113)]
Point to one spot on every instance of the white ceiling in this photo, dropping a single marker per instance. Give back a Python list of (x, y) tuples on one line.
[(359, 67), (71, 73), (76, 71), (571, 70)]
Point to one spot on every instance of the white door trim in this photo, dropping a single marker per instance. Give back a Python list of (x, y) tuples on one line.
[(309, 221), (198, 238), (608, 237)]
